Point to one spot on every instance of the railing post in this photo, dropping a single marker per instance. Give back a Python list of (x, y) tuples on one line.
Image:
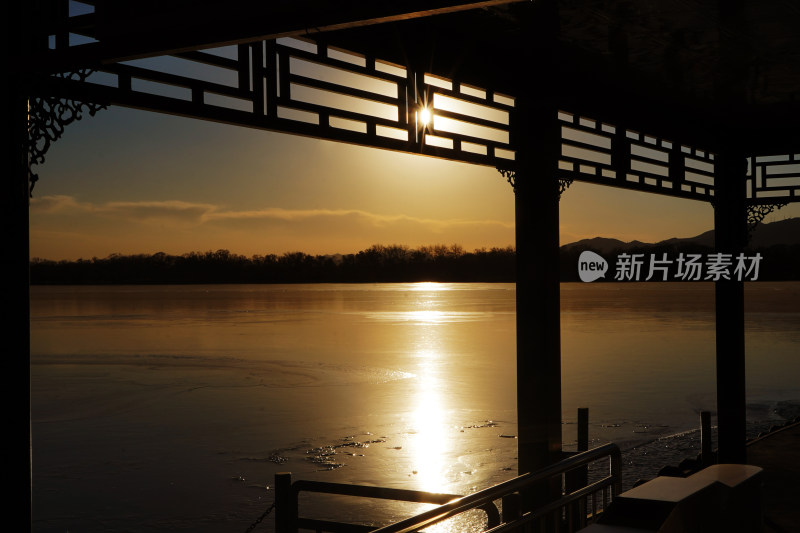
[(582, 474), (706, 452), (583, 429), (285, 504), (616, 472), (579, 477), (512, 508)]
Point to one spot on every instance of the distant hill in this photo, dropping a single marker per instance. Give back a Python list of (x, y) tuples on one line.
[(603, 245), (777, 242), (782, 232)]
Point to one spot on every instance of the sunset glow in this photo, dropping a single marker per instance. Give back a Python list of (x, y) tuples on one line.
[(132, 182)]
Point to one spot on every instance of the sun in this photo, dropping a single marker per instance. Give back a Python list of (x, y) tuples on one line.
[(425, 116)]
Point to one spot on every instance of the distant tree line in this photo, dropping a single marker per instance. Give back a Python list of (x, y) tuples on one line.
[(378, 263)]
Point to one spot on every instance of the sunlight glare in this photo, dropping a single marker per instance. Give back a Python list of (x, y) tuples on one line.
[(425, 117)]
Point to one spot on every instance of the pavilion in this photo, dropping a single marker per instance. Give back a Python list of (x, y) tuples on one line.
[(688, 98)]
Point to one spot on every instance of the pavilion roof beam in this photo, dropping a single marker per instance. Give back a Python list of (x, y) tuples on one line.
[(630, 86), (127, 30)]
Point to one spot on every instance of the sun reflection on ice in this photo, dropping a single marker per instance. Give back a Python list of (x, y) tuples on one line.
[(428, 442), (427, 317), (431, 444), (434, 286)]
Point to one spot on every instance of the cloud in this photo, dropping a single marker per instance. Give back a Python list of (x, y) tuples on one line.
[(69, 206), (175, 225), (203, 213), (169, 206), (365, 217), (57, 204)]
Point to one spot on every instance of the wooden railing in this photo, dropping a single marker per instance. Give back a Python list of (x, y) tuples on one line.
[(573, 510)]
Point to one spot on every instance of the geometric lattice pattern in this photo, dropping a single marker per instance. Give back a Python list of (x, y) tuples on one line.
[(603, 153), (773, 179), (300, 86)]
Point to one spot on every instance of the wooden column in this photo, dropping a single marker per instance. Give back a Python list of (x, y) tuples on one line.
[(17, 301), (538, 302), (538, 296), (537, 138), (15, 214), (730, 225)]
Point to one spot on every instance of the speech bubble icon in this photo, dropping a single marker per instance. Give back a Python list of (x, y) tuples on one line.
[(591, 266)]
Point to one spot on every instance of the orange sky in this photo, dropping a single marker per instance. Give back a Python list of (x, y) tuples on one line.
[(129, 181)]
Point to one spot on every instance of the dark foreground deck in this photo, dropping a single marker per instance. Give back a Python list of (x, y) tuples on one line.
[(763, 496), (778, 453)]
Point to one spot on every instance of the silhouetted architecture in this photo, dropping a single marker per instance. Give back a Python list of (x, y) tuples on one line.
[(692, 99)]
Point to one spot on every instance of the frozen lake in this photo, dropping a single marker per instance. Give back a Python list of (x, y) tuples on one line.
[(170, 408)]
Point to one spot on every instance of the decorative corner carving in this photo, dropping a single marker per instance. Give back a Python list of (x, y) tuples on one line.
[(563, 185), (48, 117), (510, 176), (757, 212)]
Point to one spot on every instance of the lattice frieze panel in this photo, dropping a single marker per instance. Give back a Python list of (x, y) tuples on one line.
[(773, 178), (340, 92), (347, 91), (468, 119), (307, 88), (612, 155)]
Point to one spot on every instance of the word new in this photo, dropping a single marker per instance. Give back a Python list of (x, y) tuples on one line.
[(591, 266)]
